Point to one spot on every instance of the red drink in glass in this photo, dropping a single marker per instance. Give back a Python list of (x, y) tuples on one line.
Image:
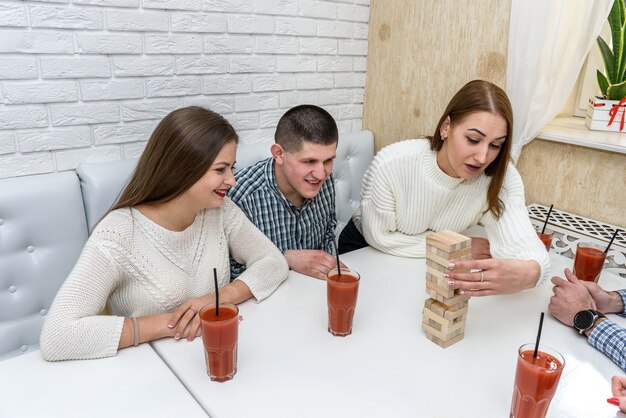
[(220, 334), (588, 262), (342, 293), (536, 380), (546, 238)]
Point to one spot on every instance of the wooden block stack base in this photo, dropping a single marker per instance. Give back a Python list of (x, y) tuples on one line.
[(445, 311)]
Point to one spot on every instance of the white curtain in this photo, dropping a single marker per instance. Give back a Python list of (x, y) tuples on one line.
[(548, 43)]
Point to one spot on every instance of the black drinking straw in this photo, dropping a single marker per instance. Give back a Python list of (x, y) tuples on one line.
[(547, 217), (217, 293), (337, 255), (538, 335), (611, 242)]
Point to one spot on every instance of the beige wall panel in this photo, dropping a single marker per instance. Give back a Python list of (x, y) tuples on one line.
[(579, 180), (421, 52)]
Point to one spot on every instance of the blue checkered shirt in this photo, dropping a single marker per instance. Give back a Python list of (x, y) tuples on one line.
[(311, 227), (610, 338)]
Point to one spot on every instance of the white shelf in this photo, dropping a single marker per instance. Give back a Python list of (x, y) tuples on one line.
[(573, 131)]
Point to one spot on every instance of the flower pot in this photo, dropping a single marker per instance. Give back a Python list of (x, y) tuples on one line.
[(606, 115)]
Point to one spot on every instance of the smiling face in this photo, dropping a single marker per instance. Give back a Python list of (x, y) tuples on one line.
[(210, 190), (471, 144), (301, 174)]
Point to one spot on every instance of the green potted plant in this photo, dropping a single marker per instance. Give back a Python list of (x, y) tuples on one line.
[(607, 112)]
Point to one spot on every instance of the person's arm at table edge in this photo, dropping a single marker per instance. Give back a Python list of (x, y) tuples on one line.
[(511, 236), (619, 304), (609, 338)]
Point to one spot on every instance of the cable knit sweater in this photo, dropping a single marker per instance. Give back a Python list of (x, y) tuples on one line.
[(140, 268), (405, 196)]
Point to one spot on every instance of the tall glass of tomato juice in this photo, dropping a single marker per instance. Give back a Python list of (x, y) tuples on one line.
[(546, 238), (536, 380), (588, 261), (342, 291), (220, 334)]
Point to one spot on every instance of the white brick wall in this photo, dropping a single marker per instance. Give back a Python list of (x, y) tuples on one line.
[(88, 80)]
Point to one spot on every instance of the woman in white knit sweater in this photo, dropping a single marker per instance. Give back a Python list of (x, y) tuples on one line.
[(454, 180), (150, 260)]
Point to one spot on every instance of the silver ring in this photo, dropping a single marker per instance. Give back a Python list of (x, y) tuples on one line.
[(482, 276)]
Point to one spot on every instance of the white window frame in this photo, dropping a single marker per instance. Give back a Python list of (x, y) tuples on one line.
[(587, 85), (569, 125)]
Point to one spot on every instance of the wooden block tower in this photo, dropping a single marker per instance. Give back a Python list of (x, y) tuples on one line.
[(446, 310)]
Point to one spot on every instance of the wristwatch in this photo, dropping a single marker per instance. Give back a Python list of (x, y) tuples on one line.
[(586, 319)]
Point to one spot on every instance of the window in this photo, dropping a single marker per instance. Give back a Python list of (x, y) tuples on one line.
[(587, 84)]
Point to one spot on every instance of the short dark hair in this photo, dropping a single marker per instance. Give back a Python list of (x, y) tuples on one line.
[(305, 123)]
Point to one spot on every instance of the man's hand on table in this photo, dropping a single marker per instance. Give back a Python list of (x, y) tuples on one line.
[(607, 302), (314, 263), (570, 297)]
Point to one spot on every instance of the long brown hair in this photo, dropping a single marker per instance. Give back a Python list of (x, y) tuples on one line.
[(180, 151), (482, 96)]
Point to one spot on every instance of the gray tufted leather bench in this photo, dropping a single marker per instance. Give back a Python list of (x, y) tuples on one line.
[(45, 219), (42, 231)]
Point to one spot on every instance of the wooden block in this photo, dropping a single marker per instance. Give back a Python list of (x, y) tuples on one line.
[(431, 278), (445, 344), (440, 341), (435, 272), (444, 336), (430, 317), (449, 254), (437, 278), (443, 311), (455, 313), (443, 259), (443, 292), (454, 302), (460, 241), (448, 241), (433, 324), (437, 307), (443, 268), (446, 326), (460, 320)]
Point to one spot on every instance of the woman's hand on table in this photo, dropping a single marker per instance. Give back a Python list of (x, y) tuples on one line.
[(185, 320), (495, 277), (480, 248), (618, 387), (570, 296)]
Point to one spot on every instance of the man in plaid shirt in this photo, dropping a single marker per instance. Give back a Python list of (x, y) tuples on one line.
[(573, 295), (291, 196)]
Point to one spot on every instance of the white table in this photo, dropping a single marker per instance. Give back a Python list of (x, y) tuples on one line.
[(135, 383), (289, 365)]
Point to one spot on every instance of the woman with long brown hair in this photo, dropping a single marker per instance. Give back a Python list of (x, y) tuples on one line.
[(151, 258), (453, 180)]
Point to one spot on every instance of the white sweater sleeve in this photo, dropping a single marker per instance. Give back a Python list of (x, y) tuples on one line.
[(512, 236), (378, 217), (266, 268), (75, 328)]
